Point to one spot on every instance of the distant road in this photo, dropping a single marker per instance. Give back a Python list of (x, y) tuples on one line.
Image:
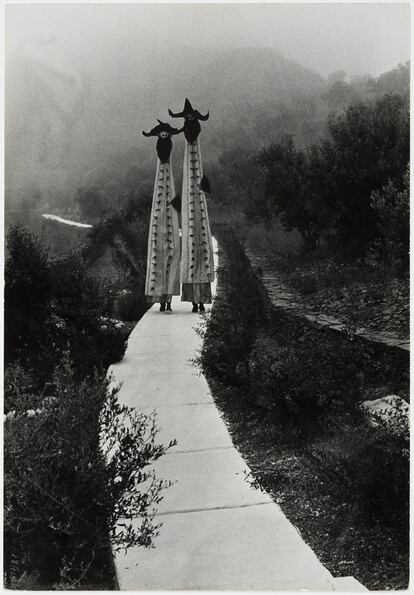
[(65, 221)]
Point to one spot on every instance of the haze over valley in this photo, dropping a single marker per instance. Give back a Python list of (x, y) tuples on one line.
[(83, 81)]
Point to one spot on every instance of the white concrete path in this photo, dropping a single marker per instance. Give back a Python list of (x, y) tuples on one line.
[(218, 532)]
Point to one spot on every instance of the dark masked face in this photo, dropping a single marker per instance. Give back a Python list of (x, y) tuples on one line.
[(164, 146), (192, 129)]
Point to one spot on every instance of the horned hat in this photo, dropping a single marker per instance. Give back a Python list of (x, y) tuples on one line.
[(192, 116), (162, 127), (164, 132)]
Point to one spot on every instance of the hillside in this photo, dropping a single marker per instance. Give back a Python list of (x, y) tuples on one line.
[(90, 109)]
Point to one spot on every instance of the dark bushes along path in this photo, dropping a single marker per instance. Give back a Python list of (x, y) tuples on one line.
[(288, 388), (74, 458)]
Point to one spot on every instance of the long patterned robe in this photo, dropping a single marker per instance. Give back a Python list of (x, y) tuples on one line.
[(197, 264), (163, 257)]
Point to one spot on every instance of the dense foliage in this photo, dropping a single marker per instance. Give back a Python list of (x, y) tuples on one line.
[(325, 190), (125, 234), (75, 457), (392, 207), (317, 167), (310, 382), (74, 464), (54, 304)]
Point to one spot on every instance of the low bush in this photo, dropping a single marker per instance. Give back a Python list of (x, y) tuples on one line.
[(113, 341), (230, 333), (129, 305), (369, 468), (74, 467), (276, 359), (314, 276), (305, 384), (325, 191), (393, 209), (277, 243), (54, 304), (27, 294), (20, 393), (75, 459), (125, 234), (226, 347), (304, 375)]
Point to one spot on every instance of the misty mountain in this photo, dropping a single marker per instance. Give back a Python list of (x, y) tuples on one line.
[(67, 113), (74, 118)]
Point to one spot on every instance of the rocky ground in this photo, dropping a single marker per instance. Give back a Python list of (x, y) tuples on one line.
[(360, 296), (377, 305)]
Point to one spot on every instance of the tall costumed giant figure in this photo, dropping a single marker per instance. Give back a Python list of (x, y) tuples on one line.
[(197, 264), (163, 258)]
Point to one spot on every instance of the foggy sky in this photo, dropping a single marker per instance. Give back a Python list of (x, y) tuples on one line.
[(358, 38)]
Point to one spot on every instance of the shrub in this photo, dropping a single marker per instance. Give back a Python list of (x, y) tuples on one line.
[(226, 347), (274, 241), (238, 311), (75, 466), (19, 389), (113, 338), (321, 273), (383, 479), (129, 305), (369, 468), (27, 294), (274, 357), (393, 419), (393, 209), (325, 191), (125, 233), (54, 304), (83, 303), (63, 497), (301, 374)]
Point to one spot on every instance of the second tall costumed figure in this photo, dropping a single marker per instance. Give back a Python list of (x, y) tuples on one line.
[(163, 260), (197, 264)]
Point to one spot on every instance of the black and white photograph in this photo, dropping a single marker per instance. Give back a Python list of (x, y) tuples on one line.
[(206, 372)]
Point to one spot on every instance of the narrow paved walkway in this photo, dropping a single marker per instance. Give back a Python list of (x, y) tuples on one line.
[(218, 532)]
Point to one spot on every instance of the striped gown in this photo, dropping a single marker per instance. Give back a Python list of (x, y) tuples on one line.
[(163, 256), (197, 264)]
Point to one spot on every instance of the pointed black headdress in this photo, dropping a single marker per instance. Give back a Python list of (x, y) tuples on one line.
[(164, 143), (192, 116)]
